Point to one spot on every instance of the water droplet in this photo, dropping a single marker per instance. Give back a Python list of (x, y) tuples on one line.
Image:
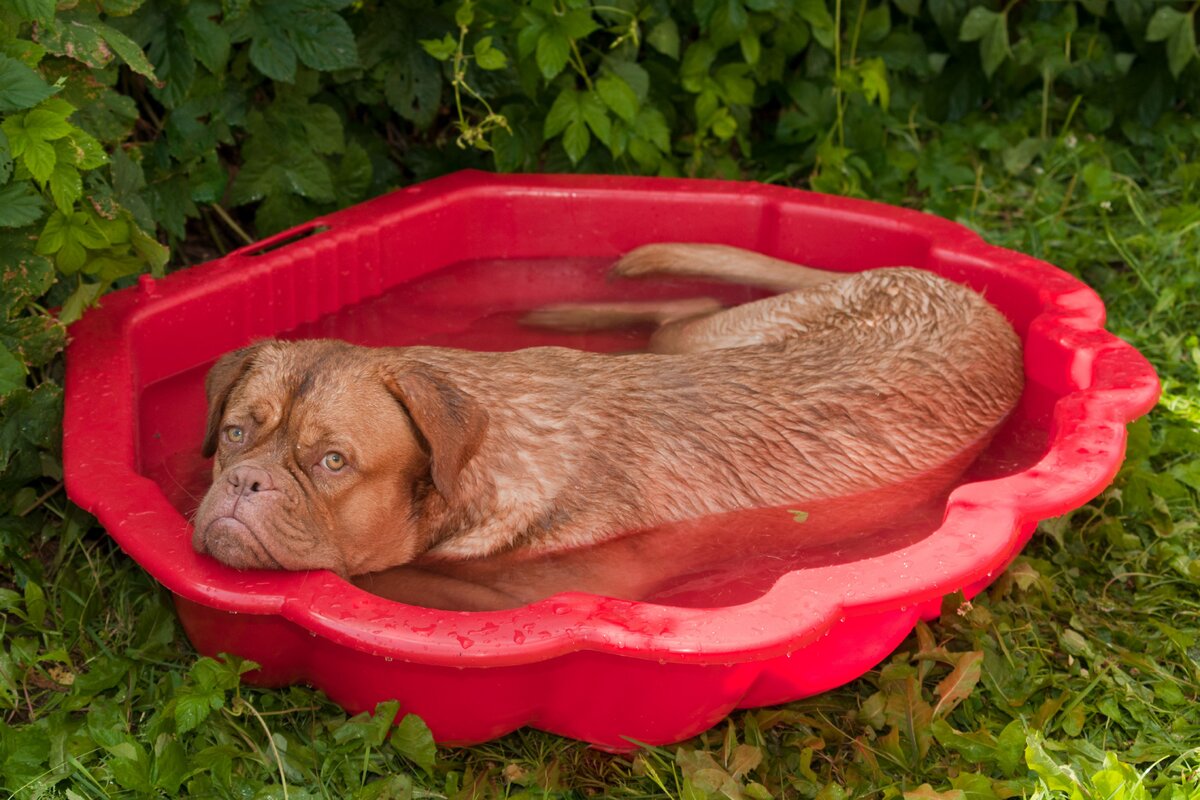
[(518, 637)]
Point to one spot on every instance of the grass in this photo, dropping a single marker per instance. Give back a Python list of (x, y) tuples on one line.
[(1075, 675)]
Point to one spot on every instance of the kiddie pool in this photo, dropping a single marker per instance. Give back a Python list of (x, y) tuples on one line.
[(581, 665)]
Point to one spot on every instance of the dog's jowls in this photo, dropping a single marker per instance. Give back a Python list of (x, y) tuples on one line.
[(357, 460)]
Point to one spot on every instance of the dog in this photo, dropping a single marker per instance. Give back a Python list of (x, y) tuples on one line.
[(360, 460)]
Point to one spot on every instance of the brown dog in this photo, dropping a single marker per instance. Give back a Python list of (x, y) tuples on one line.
[(357, 460)]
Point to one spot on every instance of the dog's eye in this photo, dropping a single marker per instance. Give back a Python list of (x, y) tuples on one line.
[(334, 462), (235, 434)]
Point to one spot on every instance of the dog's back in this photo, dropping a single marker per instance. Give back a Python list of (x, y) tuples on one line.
[(852, 382)]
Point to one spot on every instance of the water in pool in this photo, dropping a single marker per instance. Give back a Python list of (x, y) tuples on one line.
[(711, 561)]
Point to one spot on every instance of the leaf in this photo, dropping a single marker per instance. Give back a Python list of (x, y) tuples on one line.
[(1010, 745), (6, 159), (20, 87), (978, 748), (926, 792), (19, 205), (441, 49), (273, 55), (412, 739), (126, 49), (1056, 777), (12, 377), (35, 10), (958, 685), (664, 37), (576, 140), (991, 30), (488, 57), (1165, 22), (324, 128), (322, 40), (873, 74), (816, 14), (66, 186), (77, 39), (84, 297), (978, 23), (208, 40), (191, 710), (553, 50), (413, 86), (618, 96)]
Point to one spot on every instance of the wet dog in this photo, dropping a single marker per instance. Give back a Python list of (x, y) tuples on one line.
[(357, 460)]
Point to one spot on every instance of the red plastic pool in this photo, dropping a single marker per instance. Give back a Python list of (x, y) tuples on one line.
[(454, 261)]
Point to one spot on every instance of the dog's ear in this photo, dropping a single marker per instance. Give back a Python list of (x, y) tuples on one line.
[(218, 385), (450, 420)]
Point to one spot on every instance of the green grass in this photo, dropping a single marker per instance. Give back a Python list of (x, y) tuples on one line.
[(1076, 674)]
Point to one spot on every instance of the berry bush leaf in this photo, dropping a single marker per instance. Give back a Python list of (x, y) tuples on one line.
[(20, 87)]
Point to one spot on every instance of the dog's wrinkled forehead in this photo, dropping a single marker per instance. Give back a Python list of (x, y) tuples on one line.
[(303, 388)]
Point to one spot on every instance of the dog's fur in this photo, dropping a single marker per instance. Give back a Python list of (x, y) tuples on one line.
[(842, 385)]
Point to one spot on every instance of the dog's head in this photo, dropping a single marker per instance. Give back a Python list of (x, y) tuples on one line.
[(327, 456)]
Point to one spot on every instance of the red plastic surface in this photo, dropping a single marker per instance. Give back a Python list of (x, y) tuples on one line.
[(412, 266)]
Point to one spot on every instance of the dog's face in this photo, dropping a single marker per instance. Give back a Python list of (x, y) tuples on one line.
[(326, 456)]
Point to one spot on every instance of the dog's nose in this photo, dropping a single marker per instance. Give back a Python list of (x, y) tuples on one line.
[(246, 479)]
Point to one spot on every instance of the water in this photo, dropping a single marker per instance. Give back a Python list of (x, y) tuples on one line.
[(712, 561)]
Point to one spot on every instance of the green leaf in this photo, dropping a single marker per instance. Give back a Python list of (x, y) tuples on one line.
[(1057, 777), (441, 49), (488, 57), (170, 765), (126, 49), (20, 87), (990, 29), (1181, 47), (873, 74), (83, 298), (66, 186), (413, 87), (664, 37), (412, 739), (322, 40), (563, 111), (578, 23), (618, 96), (1165, 22), (208, 40), (40, 159), (553, 50), (324, 128), (978, 22), (594, 114), (816, 14), (19, 205), (308, 175), (576, 140), (12, 377), (6, 159), (273, 55), (35, 10), (192, 709)]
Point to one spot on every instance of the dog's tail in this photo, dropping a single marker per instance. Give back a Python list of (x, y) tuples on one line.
[(719, 262)]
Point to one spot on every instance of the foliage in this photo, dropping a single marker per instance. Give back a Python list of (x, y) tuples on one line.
[(142, 135)]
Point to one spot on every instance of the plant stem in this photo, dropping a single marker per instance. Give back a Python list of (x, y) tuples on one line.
[(232, 223)]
